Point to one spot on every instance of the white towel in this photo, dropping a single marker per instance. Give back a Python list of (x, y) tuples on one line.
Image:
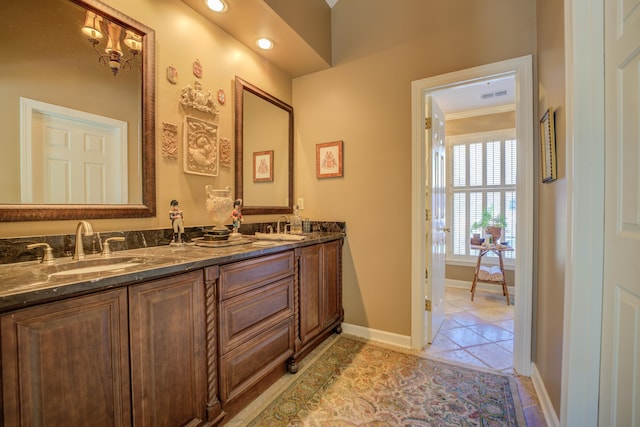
[(490, 273)]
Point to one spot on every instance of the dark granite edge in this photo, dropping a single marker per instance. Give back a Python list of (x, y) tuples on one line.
[(166, 260)]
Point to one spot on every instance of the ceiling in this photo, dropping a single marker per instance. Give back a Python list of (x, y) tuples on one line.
[(246, 20), (486, 96)]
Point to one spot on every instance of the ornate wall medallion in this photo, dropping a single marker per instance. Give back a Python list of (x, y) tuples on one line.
[(198, 98), (197, 69), (201, 156), (169, 141), (172, 74)]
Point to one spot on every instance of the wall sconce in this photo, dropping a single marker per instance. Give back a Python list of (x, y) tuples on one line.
[(113, 56)]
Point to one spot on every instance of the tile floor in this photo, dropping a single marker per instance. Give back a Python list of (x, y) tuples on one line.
[(479, 334)]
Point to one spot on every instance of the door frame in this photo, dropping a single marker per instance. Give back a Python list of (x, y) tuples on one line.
[(522, 70)]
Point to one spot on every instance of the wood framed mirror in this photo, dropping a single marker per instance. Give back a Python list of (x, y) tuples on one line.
[(55, 67), (264, 151)]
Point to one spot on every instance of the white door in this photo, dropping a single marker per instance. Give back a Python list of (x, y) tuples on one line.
[(620, 356), (69, 156), (436, 203)]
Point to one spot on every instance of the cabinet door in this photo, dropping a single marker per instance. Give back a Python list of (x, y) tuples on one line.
[(67, 363), (168, 355), (332, 275), (311, 292)]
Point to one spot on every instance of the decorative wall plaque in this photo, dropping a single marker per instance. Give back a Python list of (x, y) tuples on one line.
[(225, 153), (172, 74), (200, 147), (197, 69), (197, 98), (169, 141)]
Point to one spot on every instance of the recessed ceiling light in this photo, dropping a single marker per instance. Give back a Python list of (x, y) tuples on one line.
[(264, 43), (216, 5)]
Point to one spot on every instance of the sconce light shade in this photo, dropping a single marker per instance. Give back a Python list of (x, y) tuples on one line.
[(92, 27), (133, 41)]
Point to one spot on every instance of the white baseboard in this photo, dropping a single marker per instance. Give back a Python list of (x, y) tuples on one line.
[(376, 335), (545, 403)]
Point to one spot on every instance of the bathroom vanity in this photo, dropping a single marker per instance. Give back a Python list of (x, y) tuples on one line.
[(188, 336)]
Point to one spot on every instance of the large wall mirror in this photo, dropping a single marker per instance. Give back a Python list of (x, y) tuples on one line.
[(77, 88), (264, 151)]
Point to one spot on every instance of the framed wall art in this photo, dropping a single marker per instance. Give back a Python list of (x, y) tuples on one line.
[(201, 152), (548, 147), (263, 166), (329, 159)]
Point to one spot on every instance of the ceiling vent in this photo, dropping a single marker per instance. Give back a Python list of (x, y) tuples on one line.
[(492, 94)]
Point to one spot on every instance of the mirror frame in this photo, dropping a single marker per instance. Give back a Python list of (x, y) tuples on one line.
[(241, 86), (42, 212)]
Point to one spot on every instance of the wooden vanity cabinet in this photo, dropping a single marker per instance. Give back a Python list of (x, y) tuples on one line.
[(256, 335), (135, 354), (168, 351), (320, 294), (67, 363)]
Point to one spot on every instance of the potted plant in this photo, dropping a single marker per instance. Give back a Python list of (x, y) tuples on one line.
[(491, 224)]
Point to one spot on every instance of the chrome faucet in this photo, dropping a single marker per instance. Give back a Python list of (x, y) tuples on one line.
[(88, 231), (278, 223)]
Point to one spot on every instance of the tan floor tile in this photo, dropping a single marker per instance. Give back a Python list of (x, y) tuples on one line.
[(464, 337), (440, 344), (492, 332), (460, 357), (493, 355)]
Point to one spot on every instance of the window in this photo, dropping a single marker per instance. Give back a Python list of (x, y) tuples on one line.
[(482, 175)]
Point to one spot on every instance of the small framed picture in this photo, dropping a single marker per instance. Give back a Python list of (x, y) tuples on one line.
[(548, 147), (329, 159), (263, 166)]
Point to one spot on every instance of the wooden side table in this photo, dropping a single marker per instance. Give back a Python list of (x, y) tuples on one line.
[(498, 250)]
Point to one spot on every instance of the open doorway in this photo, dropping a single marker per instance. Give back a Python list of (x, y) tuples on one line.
[(520, 69)]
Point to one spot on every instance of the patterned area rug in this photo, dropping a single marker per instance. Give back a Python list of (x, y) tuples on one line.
[(355, 383)]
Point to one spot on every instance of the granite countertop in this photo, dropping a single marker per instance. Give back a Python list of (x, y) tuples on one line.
[(28, 283)]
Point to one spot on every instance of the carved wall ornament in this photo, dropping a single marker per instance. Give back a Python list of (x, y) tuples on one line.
[(222, 97), (169, 141), (225, 153), (197, 98), (201, 155), (172, 74), (197, 69)]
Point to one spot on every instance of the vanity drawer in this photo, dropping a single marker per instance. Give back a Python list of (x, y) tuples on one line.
[(249, 363), (247, 315), (243, 276)]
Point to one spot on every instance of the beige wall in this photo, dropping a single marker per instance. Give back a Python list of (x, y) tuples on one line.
[(182, 36), (365, 100), (552, 201)]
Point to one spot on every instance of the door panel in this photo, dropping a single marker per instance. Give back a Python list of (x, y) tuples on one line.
[(620, 369), (436, 202)]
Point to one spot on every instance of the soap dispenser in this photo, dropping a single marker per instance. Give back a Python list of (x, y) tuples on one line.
[(296, 221)]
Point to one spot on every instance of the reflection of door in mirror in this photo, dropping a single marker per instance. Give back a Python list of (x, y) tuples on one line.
[(68, 156)]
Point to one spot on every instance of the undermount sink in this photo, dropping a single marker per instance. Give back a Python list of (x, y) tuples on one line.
[(94, 266), (279, 236)]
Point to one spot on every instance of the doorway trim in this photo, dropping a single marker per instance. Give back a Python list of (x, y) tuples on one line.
[(521, 69)]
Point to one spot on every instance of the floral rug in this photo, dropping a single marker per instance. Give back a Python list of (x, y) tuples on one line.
[(355, 383)]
